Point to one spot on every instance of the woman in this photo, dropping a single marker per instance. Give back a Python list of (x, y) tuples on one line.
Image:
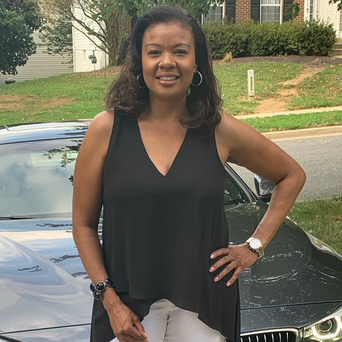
[(165, 271)]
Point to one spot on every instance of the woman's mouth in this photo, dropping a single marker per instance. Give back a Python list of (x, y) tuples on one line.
[(167, 80)]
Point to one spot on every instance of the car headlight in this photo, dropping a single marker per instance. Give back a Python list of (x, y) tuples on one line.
[(327, 329)]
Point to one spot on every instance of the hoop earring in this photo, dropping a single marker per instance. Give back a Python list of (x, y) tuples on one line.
[(201, 79), (138, 79)]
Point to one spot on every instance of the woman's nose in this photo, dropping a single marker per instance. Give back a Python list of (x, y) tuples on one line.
[(167, 61)]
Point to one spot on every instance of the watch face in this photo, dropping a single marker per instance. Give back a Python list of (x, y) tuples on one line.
[(255, 244)]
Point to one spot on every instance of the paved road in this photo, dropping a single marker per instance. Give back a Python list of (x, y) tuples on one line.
[(321, 159)]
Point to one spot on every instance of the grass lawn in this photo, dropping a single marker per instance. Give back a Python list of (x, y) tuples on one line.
[(322, 218), (296, 121), (65, 97), (322, 90), (268, 75), (78, 96)]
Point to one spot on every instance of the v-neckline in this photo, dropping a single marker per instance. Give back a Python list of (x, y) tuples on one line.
[(149, 158)]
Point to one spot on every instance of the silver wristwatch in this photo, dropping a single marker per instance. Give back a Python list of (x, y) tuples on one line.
[(255, 245)]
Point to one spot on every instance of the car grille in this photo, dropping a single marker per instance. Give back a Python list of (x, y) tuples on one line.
[(270, 336)]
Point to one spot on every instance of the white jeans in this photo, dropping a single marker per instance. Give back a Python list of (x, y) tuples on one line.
[(168, 323)]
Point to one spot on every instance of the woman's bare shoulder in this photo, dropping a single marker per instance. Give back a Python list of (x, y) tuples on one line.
[(239, 140), (236, 133), (99, 132), (225, 131), (228, 126), (103, 123)]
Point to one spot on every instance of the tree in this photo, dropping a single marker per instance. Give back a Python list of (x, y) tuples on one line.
[(196, 8), (338, 2), (107, 22), (18, 20), (57, 37), (99, 20)]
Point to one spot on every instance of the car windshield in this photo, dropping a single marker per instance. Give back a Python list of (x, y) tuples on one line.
[(36, 177), (233, 194)]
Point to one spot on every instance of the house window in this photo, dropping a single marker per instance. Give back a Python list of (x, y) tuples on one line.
[(215, 15), (311, 10), (270, 11)]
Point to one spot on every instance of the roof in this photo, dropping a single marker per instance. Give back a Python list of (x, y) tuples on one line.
[(42, 131)]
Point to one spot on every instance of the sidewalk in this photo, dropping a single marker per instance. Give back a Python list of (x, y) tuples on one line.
[(288, 112), (304, 133), (299, 133)]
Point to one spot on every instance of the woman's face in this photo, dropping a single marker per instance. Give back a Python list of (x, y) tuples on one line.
[(168, 60)]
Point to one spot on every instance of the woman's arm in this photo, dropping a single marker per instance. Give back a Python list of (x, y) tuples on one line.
[(250, 149), (87, 202)]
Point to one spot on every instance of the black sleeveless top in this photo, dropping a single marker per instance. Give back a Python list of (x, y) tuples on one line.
[(159, 231)]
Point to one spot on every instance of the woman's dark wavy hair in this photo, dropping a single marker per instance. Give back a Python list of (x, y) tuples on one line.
[(204, 102)]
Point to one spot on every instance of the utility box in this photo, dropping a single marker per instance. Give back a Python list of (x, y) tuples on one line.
[(251, 85)]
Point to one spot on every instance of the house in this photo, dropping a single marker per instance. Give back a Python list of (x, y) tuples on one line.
[(233, 10), (40, 65), (274, 11), (86, 54)]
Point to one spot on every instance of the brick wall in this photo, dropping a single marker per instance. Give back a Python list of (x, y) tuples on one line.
[(300, 16), (242, 10)]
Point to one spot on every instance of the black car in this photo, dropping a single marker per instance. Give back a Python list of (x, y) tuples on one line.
[(293, 293)]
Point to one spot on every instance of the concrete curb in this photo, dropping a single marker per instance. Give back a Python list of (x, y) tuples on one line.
[(304, 133), (299, 111)]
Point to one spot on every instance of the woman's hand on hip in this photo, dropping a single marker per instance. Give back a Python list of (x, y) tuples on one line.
[(236, 257), (125, 323)]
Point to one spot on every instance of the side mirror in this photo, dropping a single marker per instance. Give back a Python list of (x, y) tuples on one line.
[(264, 188)]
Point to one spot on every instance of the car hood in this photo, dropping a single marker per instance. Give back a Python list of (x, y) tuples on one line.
[(36, 293), (75, 333), (296, 269), (50, 238), (297, 274), (284, 317)]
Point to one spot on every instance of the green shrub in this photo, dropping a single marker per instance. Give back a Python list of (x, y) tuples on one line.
[(270, 39), (316, 38)]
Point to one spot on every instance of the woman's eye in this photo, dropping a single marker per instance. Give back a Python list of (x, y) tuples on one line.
[(181, 52), (153, 52)]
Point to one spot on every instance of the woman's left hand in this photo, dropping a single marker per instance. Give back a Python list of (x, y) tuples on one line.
[(236, 257)]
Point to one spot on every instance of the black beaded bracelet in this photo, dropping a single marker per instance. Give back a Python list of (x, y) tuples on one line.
[(98, 288)]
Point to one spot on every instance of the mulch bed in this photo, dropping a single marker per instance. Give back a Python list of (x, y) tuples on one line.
[(310, 61)]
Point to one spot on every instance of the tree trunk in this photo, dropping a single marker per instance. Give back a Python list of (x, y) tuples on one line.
[(114, 37), (112, 55), (134, 18), (118, 31)]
